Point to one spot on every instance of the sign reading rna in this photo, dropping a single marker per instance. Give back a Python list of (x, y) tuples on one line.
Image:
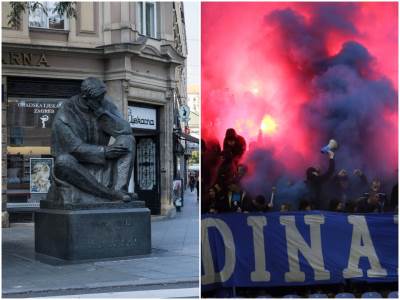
[(25, 59)]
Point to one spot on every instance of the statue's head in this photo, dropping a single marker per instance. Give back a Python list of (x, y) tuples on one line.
[(93, 89)]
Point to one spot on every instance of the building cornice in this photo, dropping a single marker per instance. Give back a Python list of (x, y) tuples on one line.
[(51, 49), (166, 54)]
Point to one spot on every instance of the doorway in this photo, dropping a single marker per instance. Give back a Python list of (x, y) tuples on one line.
[(147, 172)]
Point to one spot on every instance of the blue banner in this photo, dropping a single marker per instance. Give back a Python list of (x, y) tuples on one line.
[(297, 248)]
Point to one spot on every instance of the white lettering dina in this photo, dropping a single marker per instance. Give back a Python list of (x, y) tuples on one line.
[(210, 276), (362, 246), (260, 273), (296, 243)]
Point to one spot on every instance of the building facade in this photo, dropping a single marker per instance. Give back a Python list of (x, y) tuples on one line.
[(137, 48), (193, 102)]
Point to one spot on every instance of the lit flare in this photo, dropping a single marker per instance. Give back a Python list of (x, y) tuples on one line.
[(268, 125)]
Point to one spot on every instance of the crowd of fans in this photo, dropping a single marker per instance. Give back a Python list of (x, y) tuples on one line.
[(339, 191)]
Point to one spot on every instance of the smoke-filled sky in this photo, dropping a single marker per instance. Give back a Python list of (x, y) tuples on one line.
[(290, 76)]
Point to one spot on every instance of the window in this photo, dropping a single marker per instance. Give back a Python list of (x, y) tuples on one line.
[(148, 19), (52, 20), (29, 137)]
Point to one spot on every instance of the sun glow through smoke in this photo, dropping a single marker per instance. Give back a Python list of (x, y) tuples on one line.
[(255, 89), (268, 125)]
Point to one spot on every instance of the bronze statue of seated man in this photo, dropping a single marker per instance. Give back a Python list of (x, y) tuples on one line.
[(87, 168)]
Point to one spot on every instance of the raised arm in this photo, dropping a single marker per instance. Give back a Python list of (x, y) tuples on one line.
[(331, 168)]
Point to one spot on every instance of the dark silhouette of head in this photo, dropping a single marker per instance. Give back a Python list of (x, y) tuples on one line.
[(311, 174), (92, 88), (260, 199), (305, 205), (375, 185), (230, 133)]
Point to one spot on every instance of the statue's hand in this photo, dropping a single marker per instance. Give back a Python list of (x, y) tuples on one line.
[(115, 151), (95, 106), (93, 103)]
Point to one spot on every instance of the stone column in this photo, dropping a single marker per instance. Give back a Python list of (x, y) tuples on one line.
[(4, 213), (107, 22), (125, 22), (166, 155), (116, 90)]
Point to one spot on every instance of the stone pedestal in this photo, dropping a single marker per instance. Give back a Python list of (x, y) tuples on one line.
[(106, 230)]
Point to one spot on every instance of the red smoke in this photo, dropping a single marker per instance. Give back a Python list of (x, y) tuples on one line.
[(319, 70)]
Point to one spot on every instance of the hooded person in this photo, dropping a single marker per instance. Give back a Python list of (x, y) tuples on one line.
[(234, 146)]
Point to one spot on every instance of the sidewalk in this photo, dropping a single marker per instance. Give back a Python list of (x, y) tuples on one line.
[(174, 262)]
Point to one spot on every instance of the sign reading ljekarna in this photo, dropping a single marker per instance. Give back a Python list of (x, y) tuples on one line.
[(275, 249), (142, 118), (25, 59)]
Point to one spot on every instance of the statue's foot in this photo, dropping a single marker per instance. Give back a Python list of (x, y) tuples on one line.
[(132, 197), (125, 197), (120, 196)]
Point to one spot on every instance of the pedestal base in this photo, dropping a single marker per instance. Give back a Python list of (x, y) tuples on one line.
[(92, 233)]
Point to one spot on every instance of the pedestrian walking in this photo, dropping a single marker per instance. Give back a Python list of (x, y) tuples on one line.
[(192, 183)]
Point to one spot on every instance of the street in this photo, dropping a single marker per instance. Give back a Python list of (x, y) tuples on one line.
[(173, 264)]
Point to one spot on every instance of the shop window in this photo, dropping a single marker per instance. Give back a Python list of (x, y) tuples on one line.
[(52, 20), (148, 19), (29, 159)]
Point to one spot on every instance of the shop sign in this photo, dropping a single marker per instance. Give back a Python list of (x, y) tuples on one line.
[(25, 59), (192, 146), (188, 151), (184, 113), (142, 118), (33, 112)]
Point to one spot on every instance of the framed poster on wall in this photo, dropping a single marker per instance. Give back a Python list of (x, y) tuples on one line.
[(40, 170)]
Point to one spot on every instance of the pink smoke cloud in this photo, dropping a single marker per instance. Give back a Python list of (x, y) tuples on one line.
[(319, 70)]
